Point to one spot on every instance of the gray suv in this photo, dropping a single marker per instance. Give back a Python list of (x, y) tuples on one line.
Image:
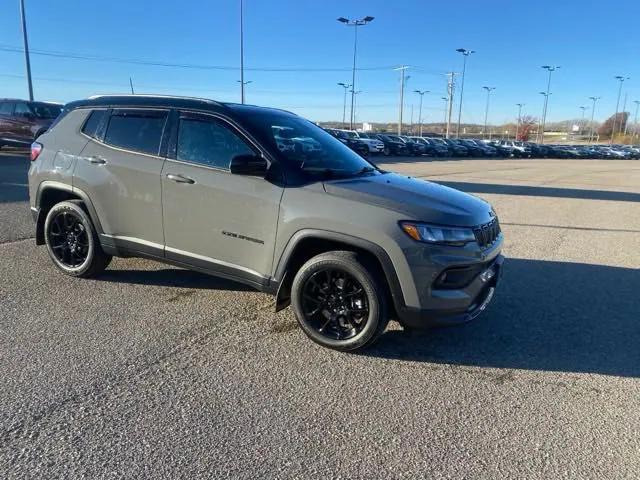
[(263, 197)]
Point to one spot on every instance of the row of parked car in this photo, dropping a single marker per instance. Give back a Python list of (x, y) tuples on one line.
[(370, 143)]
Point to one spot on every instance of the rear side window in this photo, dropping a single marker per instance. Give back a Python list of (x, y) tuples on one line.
[(6, 108), (22, 110), (92, 124), (137, 130), (208, 142)]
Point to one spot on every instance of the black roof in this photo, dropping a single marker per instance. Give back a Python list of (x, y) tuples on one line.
[(162, 101)]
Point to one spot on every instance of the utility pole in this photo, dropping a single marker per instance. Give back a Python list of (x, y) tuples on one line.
[(131, 85), (550, 68), (624, 110), (635, 121), (519, 105), (355, 107), (593, 111), (26, 49), (242, 82), (243, 85), (402, 80), (355, 24), (421, 93), (486, 111), (344, 103), (450, 89), (542, 118), (621, 79), (465, 53)]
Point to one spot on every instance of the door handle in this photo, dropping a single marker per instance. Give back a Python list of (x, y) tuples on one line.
[(97, 160), (180, 178)]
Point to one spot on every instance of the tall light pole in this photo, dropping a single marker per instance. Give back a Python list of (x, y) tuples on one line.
[(582, 118), (446, 104), (486, 110), (402, 80), (344, 103), (620, 79), (550, 68), (465, 53), (635, 121), (450, 90), (544, 112), (242, 82), (421, 93), (519, 105), (26, 49), (593, 111), (355, 24), (355, 105)]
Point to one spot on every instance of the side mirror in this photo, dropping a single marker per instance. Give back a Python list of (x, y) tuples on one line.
[(248, 164)]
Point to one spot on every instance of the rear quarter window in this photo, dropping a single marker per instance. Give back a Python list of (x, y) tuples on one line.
[(92, 124), (136, 130), (6, 108)]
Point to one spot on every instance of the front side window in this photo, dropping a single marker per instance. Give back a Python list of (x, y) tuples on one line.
[(208, 142), (47, 111), (137, 130)]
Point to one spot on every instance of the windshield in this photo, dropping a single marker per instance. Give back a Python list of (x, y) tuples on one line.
[(44, 110), (303, 145)]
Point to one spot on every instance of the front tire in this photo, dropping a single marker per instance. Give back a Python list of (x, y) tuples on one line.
[(339, 301), (72, 241)]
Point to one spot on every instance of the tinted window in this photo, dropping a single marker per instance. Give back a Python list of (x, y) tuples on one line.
[(93, 122), (140, 131), (208, 142), (22, 110), (6, 108), (45, 110)]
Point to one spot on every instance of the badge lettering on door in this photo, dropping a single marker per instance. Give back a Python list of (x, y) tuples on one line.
[(242, 237)]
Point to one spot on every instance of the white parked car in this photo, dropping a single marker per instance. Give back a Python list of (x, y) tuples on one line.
[(375, 145)]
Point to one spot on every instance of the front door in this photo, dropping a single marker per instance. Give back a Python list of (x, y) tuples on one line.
[(212, 218)]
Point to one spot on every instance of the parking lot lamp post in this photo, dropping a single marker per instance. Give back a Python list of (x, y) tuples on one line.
[(519, 105), (593, 111), (242, 82), (421, 93), (355, 24), (355, 107), (26, 49), (620, 79), (635, 121), (446, 104), (344, 103), (551, 69), (581, 126), (486, 110), (465, 53), (541, 123)]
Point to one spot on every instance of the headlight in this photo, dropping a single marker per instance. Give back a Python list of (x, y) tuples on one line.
[(423, 232)]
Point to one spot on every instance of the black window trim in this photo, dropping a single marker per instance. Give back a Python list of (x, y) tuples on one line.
[(105, 126), (177, 115)]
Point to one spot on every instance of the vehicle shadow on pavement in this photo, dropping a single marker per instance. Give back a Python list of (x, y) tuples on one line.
[(173, 277), (526, 190), (552, 316)]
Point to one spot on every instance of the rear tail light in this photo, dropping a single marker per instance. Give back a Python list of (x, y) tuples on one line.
[(36, 148)]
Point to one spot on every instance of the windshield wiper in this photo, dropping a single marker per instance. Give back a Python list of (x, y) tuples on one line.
[(365, 170)]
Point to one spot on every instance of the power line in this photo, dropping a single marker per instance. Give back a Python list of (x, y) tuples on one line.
[(133, 61)]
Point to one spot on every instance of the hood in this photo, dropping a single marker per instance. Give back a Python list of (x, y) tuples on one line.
[(415, 198)]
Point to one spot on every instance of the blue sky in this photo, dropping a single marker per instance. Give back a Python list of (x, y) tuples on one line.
[(592, 42)]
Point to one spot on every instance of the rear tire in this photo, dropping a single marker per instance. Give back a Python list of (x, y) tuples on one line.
[(72, 241), (339, 301)]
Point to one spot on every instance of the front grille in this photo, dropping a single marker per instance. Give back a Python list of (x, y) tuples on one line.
[(488, 233)]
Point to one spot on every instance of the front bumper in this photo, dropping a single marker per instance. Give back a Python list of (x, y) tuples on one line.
[(453, 307)]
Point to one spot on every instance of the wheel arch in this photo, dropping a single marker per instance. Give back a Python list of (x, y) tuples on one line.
[(308, 243), (51, 193)]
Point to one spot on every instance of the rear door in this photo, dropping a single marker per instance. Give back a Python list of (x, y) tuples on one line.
[(119, 169), (7, 126), (213, 218)]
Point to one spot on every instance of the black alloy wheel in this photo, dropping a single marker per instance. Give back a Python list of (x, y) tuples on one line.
[(335, 304), (69, 239)]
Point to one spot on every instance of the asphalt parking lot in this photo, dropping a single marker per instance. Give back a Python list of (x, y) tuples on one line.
[(151, 371)]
